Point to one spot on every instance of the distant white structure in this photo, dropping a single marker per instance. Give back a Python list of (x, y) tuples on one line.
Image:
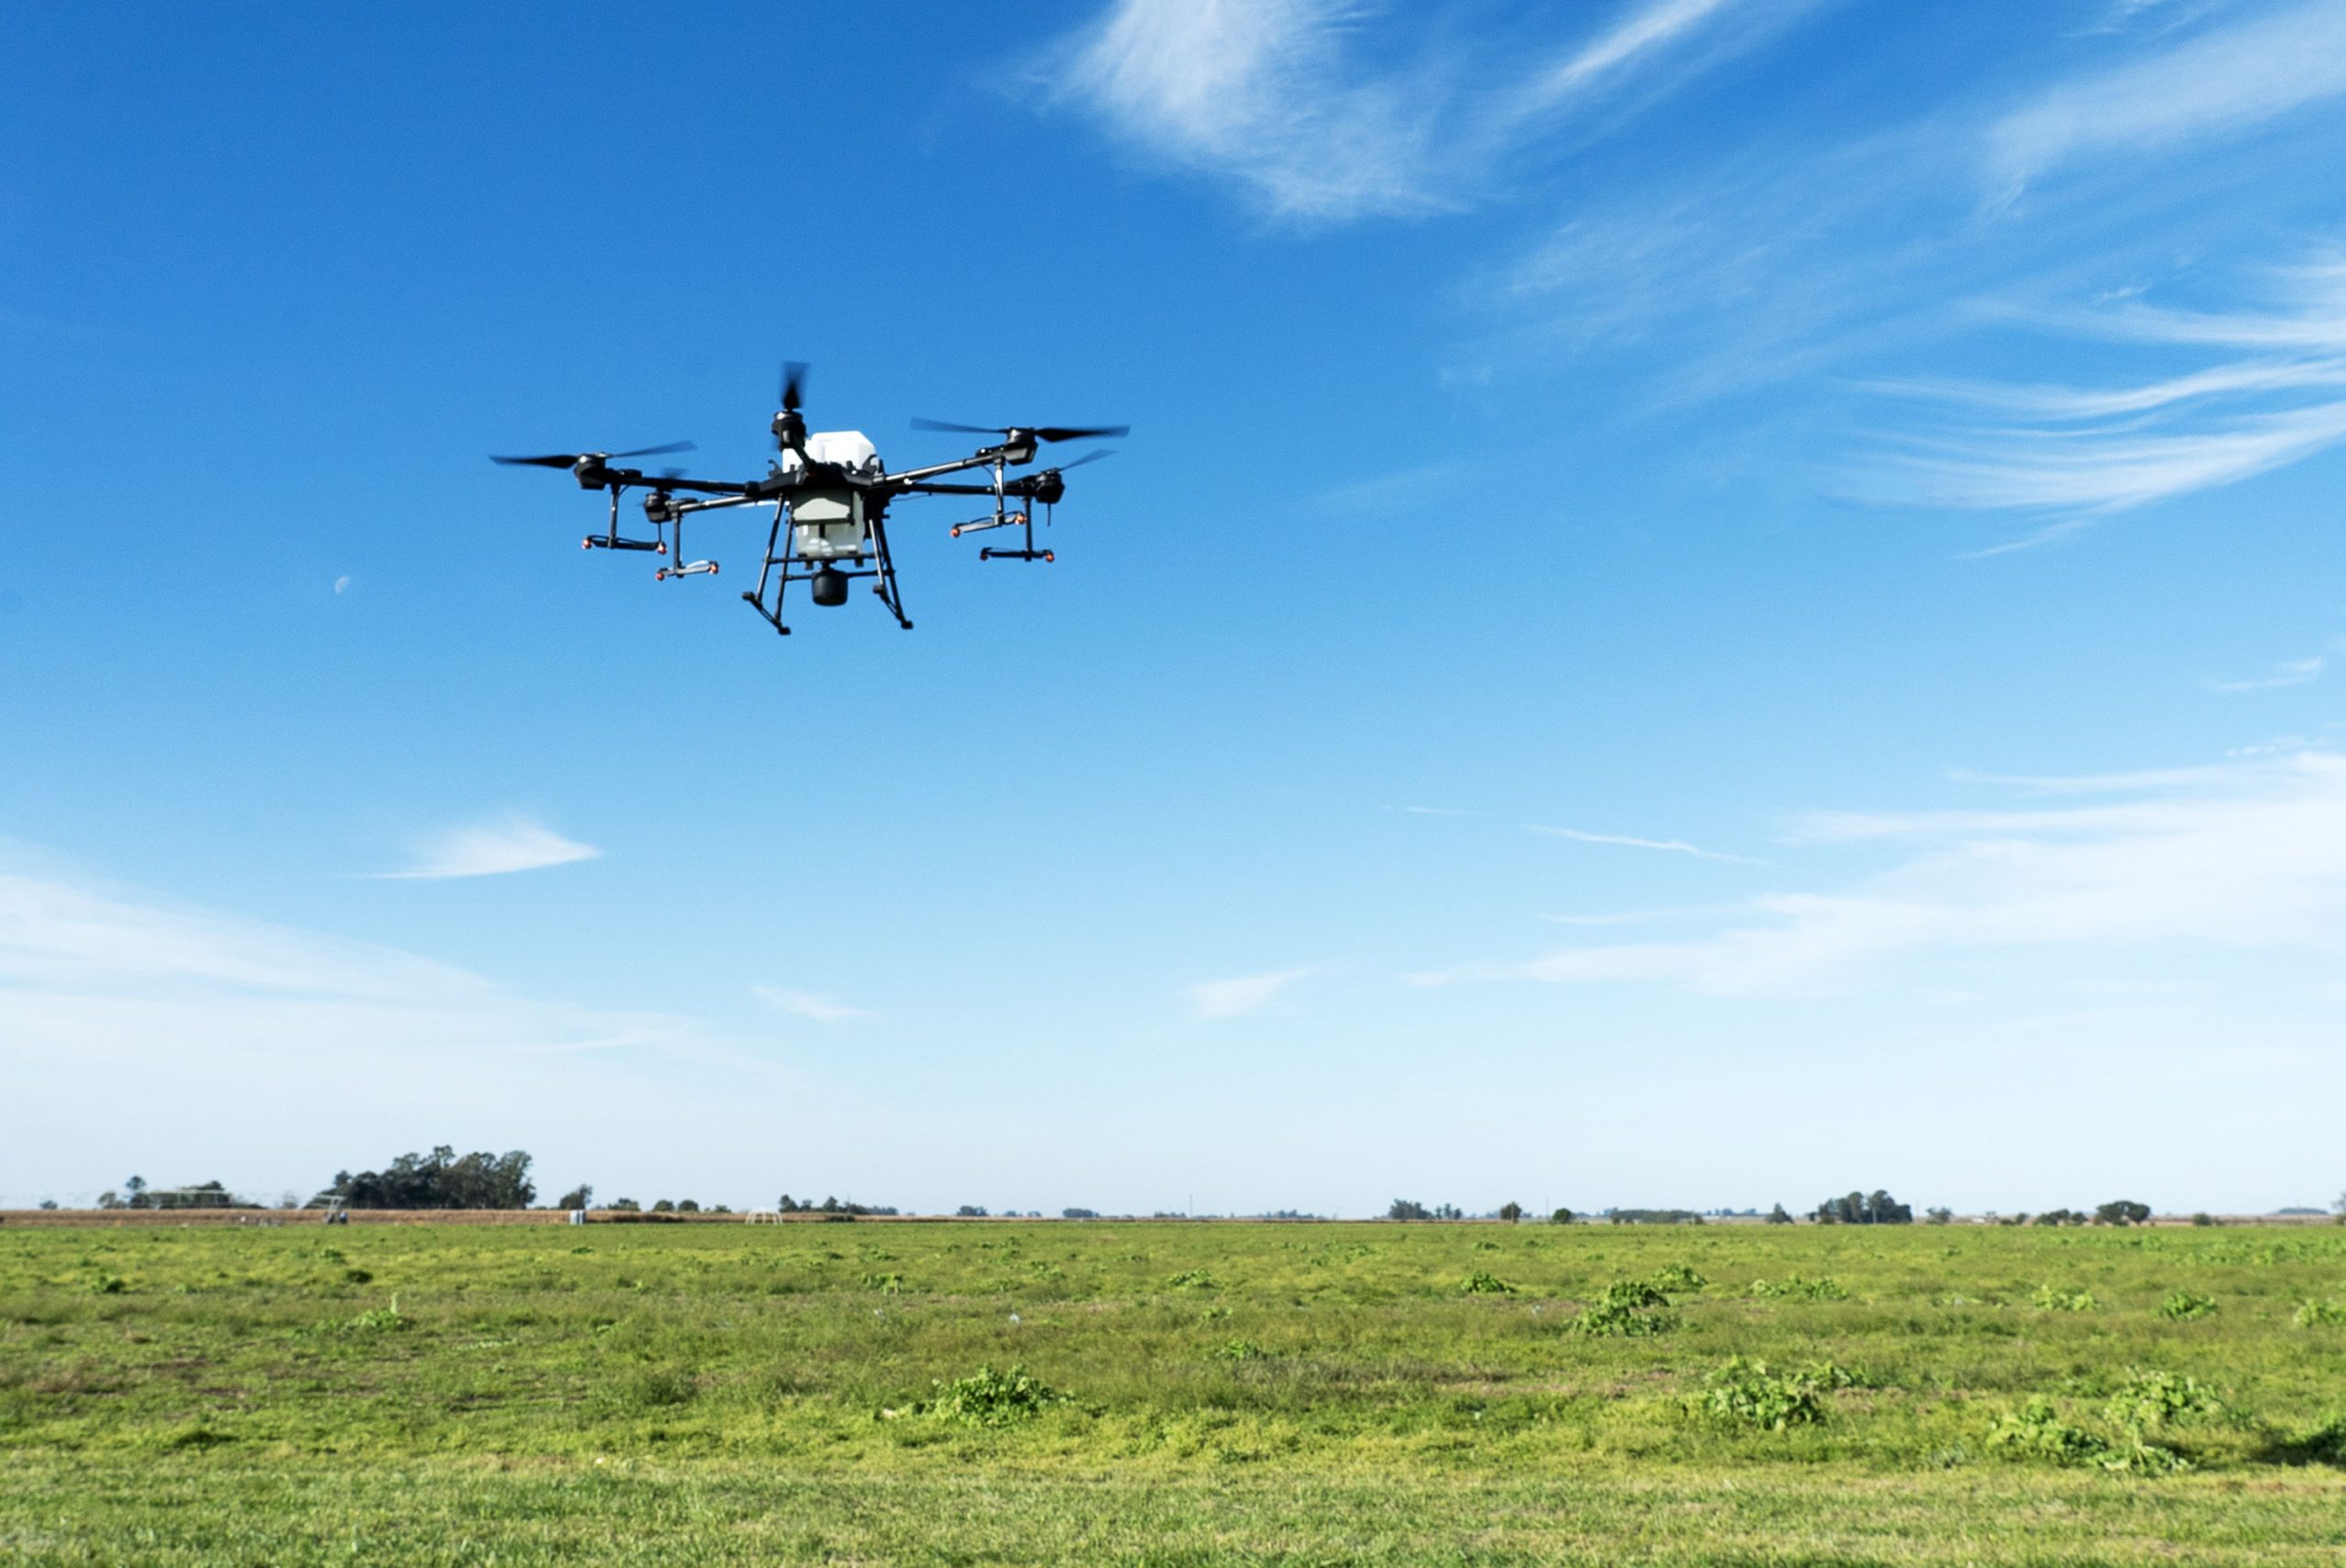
[(766, 1216)]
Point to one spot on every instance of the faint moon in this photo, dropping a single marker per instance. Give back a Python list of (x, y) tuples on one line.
[(342, 585)]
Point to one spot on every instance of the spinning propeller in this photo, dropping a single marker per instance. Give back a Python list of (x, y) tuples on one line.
[(572, 459), (1040, 433)]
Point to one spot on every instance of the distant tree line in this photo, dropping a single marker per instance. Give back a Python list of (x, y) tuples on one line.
[(136, 1194), (790, 1205), (441, 1179)]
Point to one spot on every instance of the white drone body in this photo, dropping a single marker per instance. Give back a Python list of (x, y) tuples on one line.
[(830, 521)]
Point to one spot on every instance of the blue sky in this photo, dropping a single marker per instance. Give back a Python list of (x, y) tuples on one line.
[(1710, 601)]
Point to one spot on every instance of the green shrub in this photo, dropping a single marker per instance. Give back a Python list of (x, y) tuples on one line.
[(1632, 1293), (886, 1283), (2183, 1306), (375, 1321), (2319, 1314), (2146, 1401), (2036, 1431), (1616, 1320), (1242, 1350), (991, 1399), (1482, 1284), (1823, 1288), (2051, 1298), (1677, 1276), (1742, 1391), (1193, 1279)]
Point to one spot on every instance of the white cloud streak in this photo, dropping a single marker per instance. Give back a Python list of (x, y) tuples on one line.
[(1242, 996), (806, 1004), (2249, 855), (2094, 450), (2220, 82), (1274, 94), (491, 849), (2293, 672), (89, 967), (1671, 846)]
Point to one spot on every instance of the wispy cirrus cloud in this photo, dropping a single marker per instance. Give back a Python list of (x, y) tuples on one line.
[(2245, 855), (807, 1004), (1326, 111), (89, 967), (1670, 845), (1246, 994), (2097, 450), (2290, 673), (491, 848), (2219, 83)]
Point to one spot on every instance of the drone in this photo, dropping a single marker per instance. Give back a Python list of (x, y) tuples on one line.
[(830, 495)]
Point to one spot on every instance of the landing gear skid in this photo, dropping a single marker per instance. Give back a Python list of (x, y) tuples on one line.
[(784, 566)]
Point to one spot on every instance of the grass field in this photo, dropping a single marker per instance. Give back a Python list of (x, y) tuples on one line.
[(1188, 1394)]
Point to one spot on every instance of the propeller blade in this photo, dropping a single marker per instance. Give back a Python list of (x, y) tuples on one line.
[(794, 382), (1044, 433), (1087, 457), (571, 459)]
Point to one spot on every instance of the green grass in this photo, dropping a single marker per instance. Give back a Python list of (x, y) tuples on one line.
[(1165, 1393)]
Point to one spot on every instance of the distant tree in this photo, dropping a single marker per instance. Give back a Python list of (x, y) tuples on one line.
[(1653, 1216), (1447, 1211), (2340, 1204), (136, 1188), (1777, 1216), (578, 1197), (1560, 1217), (2123, 1211), (109, 1200), (49, 1202), (688, 1206), (203, 1195), (788, 1207), (1877, 1207), (441, 1179), (1407, 1209), (970, 1212), (1940, 1216), (663, 1206), (2204, 1219), (1510, 1211), (2063, 1217), (1079, 1214), (624, 1206), (720, 1209)]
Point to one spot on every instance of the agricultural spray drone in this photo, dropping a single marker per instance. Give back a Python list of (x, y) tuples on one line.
[(830, 495)]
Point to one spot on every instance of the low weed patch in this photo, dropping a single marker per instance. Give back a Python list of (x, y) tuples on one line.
[(1744, 1391), (990, 1399), (2053, 1299)]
